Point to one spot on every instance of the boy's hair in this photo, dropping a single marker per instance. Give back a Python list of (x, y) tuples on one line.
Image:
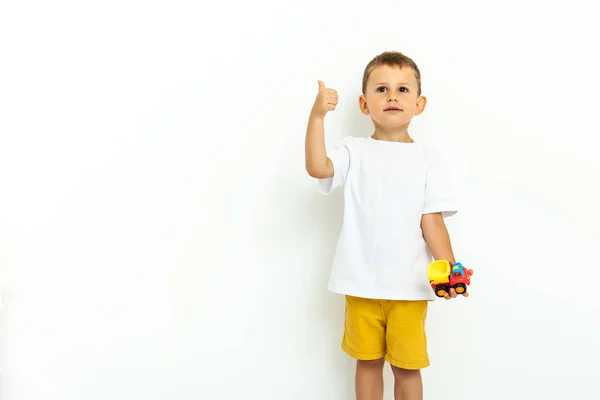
[(391, 59)]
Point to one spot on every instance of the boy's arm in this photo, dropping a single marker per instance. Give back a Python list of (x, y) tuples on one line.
[(318, 165), (437, 237), (438, 240)]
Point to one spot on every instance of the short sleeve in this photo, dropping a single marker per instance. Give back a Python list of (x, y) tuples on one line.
[(439, 193), (340, 158)]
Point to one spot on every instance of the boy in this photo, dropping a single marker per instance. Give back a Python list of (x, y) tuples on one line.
[(396, 199)]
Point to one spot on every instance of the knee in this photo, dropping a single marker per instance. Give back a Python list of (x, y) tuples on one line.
[(371, 364), (403, 374)]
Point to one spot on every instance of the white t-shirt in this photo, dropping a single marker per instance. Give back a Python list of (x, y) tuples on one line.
[(381, 252)]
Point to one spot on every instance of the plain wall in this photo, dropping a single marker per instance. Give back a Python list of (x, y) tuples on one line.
[(160, 238)]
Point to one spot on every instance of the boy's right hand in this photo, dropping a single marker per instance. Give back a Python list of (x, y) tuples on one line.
[(326, 101)]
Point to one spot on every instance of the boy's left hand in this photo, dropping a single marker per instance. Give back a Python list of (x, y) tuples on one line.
[(453, 294)]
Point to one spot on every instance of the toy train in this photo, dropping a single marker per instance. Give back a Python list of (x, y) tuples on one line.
[(443, 276)]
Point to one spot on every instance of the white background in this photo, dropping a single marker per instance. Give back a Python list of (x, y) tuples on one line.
[(160, 238)]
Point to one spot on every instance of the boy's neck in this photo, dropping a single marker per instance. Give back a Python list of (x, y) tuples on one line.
[(392, 136)]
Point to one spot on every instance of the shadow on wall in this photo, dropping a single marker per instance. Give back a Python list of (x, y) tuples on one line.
[(325, 215), (353, 122), (326, 321)]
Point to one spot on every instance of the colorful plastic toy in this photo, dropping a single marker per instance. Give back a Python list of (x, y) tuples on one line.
[(443, 276)]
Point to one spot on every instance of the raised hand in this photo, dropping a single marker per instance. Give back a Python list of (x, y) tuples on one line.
[(326, 101)]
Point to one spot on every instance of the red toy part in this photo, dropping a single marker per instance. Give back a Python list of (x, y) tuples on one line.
[(459, 278)]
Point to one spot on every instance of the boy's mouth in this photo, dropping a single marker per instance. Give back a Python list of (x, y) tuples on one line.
[(393, 109)]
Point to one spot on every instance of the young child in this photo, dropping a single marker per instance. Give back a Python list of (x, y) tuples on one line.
[(395, 200)]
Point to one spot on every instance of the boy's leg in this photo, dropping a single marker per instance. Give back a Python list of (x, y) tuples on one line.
[(364, 339), (408, 384), (369, 379), (407, 347)]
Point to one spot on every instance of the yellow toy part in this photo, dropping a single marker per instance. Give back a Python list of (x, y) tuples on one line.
[(439, 272)]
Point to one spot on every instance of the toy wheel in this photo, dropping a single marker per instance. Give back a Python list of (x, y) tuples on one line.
[(441, 291), (460, 288)]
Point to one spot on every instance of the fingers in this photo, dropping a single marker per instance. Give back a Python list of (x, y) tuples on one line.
[(327, 99), (329, 93), (331, 97), (329, 103), (452, 294)]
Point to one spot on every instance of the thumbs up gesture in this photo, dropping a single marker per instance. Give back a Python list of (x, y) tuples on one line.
[(326, 101)]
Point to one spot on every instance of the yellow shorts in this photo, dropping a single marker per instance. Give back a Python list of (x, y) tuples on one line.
[(386, 328)]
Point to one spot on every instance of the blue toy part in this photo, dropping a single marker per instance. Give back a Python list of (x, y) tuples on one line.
[(458, 269)]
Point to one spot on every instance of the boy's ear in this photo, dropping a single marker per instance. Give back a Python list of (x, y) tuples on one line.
[(362, 104), (421, 103)]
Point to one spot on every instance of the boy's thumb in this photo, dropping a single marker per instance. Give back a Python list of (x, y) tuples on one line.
[(321, 85)]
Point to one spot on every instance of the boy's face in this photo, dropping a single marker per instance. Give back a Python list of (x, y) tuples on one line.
[(391, 97)]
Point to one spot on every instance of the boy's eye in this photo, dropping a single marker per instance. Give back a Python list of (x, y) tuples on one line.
[(382, 89)]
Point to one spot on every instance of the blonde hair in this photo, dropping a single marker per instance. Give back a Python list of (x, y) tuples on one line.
[(391, 59)]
